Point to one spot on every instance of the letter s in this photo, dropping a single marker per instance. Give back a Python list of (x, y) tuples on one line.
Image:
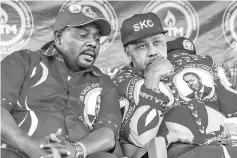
[(136, 27)]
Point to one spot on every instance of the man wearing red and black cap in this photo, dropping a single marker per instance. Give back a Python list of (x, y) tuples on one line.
[(200, 77), (43, 91)]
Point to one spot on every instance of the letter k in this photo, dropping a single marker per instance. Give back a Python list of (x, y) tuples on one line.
[(143, 24)]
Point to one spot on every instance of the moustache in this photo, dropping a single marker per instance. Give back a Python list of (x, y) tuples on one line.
[(90, 52)]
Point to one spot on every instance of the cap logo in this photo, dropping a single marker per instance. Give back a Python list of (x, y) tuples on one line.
[(87, 11), (143, 24), (75, 8), (188, 45)]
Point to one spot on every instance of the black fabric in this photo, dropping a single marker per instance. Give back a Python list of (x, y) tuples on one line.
[(11, 153), (101, 155), (46, 46), (175, 150)]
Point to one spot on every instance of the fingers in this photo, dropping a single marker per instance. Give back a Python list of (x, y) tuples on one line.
[(53, 138), (48, 146), (59, 131), (152, 82), (57, 153), (63, 152)]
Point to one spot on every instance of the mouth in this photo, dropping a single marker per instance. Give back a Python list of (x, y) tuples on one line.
[(152, 60), (89, 55)]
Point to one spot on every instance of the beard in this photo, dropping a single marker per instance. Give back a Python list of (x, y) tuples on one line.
[(76, 59), (77, 63)]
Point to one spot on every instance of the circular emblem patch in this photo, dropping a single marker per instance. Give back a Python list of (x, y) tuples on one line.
[(16, 25), (188, 45), (229, 24), (179, 18)]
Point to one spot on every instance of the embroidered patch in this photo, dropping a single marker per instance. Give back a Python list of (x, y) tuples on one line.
[(87, 11), (188, 45), (75, 8)]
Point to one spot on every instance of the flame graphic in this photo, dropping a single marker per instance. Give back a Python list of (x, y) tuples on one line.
[(3, 16), (170, 19)]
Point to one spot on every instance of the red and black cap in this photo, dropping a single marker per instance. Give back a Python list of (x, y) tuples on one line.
[(181, 44), (79, 15)]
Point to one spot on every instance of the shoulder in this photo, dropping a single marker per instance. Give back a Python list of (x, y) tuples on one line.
[(24, 55), (98, 72), (123, 70), (105, 79)]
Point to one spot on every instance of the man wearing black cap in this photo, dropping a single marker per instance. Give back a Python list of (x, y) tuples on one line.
[(43, 91), (143, 98), (209, 86), (201, 74)]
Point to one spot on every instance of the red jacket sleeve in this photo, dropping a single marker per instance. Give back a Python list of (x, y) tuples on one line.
[(227, 95), (109, 115), (131, 86), (14, 69)]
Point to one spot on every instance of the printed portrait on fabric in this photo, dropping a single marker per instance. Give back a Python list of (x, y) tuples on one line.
[(194, 83)]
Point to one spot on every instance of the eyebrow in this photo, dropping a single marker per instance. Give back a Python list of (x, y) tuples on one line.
[(87, 29)]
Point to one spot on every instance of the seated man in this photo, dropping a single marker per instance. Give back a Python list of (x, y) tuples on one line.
[(139, 85), (59, 88), (199, 77), (205, 112), (143, 98)]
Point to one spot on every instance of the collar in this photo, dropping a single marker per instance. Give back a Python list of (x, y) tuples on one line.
[(94, 70), (52, 51), (202, 90)]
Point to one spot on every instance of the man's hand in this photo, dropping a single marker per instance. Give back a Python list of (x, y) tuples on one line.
[(160, 68), (65, 149), (34, 147)]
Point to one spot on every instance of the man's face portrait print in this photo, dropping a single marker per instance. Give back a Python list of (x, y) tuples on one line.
[(194, 83)]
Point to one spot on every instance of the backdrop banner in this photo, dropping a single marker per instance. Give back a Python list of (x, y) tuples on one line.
[(212, 25)]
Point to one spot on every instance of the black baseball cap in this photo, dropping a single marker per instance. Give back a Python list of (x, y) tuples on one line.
[(79, 15), (181, 44), (139, 26)]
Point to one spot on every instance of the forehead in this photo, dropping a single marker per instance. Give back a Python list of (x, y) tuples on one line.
[(156, 36), (192, 76), (88, 27)]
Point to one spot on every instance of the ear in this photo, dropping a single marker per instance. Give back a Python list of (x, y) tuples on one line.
[(58, 37), (128, 53)]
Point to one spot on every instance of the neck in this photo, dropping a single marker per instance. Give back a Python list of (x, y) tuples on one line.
[(72, 68)]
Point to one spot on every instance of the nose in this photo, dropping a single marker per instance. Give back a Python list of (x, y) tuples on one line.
[(91, 42), (152, 51)]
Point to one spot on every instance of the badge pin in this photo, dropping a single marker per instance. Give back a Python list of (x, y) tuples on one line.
[(75, 8)]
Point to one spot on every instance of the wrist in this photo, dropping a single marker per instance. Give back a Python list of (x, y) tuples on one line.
[(80, 150), (26, 143)]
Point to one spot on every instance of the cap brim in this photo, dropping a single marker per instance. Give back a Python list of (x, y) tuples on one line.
[(104, 26), (173, 51), (144, 36)]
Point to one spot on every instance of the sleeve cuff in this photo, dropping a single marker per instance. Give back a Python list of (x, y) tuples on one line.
[(147, 96), (110, 123)]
